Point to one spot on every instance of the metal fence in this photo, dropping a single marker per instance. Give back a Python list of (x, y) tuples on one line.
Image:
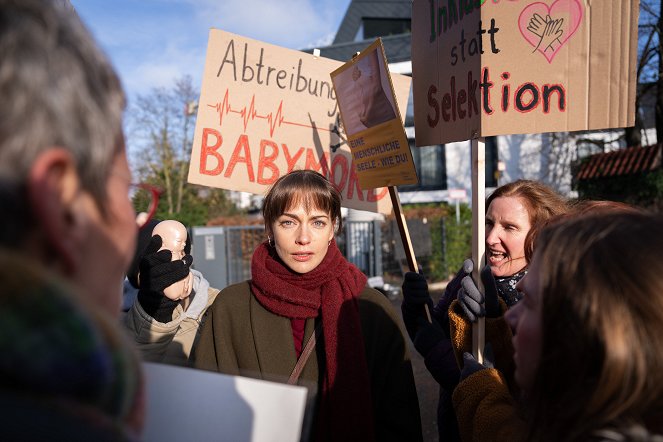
[(360, 242), (223, 254)]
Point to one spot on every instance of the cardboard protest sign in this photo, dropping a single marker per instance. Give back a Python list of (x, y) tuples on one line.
[(491, 67), (265, 110), (380, 150), (187, 404)]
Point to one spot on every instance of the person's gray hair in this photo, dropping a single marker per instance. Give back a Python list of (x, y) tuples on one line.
[(57, 89)]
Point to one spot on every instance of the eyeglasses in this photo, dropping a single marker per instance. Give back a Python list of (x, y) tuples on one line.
[(145, 199)]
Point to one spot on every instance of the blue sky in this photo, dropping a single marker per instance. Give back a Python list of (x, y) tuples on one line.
[(153, 42)]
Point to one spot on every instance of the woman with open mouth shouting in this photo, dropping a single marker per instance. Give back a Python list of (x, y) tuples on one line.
[(515, 213)]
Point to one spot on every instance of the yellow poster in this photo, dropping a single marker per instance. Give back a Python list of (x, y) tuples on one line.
[(372, 121)]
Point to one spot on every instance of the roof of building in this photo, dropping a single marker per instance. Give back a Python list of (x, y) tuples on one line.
[(360, 9), (628, 161), (397, 47)]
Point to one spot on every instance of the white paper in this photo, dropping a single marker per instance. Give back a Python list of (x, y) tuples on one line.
[(185, 404)]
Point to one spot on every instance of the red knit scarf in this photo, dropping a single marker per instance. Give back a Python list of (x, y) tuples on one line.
[(331, 288)]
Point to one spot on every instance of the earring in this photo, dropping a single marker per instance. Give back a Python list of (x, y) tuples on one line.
[(329, 243), (269, 241)]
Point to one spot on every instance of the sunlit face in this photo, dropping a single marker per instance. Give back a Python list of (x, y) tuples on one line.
[(109, 239), (507, 224), (525, 319), (302, 238)]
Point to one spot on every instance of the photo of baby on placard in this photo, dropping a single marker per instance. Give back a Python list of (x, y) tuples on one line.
[(366, 98)]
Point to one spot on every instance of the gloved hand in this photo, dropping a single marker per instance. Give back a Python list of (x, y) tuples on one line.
[(490, 291), (470, 298), (428, 335), (157, 272), (415, 297), (471, 365)]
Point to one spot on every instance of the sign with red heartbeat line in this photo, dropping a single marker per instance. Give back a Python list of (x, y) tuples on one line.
[(250, 113), (264, 111)]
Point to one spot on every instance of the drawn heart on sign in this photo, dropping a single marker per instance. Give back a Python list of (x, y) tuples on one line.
[(548, 28)]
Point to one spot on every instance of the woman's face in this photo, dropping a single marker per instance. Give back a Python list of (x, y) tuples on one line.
[(302, 238), (525, 319), (507, 224)]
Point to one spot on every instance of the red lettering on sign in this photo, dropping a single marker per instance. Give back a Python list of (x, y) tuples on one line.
[(269, 165), (339, 160), (292, 161), (206, 150), (267, 162), (242, 145), (321, 166), (352, 184), (372, 197)]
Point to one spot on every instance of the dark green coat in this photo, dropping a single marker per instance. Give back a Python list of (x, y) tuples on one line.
[(241, 337)]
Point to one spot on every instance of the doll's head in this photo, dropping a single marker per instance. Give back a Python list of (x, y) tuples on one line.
[(173, 234)]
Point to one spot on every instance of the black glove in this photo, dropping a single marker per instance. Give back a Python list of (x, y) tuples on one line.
[(415, 298), (157, 272), (490, 290), (470, 298), (428, 335), (471, 365)]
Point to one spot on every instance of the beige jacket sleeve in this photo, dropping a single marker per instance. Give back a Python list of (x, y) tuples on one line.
[(168, 342), (498, 334)]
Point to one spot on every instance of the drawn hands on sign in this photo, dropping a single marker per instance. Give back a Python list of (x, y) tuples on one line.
[(549, 27), (549, 31)]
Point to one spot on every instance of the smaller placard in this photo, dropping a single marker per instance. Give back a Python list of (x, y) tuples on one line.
[(372, 122)]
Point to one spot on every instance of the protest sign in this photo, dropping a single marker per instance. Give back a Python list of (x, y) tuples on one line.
[(188, 404), (265, 110), (380, 150), (491, 67)]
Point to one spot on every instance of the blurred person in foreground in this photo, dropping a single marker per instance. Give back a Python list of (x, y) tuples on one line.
[(68, 234), (586, 338)]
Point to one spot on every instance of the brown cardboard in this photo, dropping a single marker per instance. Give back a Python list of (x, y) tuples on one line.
[(586, 76), (265, 110), (372, 122)]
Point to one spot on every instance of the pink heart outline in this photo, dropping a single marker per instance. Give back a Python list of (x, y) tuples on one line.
[(568, 9)]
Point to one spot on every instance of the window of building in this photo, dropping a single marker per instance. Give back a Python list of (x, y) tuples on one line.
[(381, 27), (431, 168)]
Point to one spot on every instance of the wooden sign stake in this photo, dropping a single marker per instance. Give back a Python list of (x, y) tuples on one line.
[(405, 236), (478, 235)]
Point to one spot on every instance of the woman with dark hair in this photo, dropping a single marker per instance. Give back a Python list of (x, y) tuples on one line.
[(515, 213), (587, 337), (307, 317)]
